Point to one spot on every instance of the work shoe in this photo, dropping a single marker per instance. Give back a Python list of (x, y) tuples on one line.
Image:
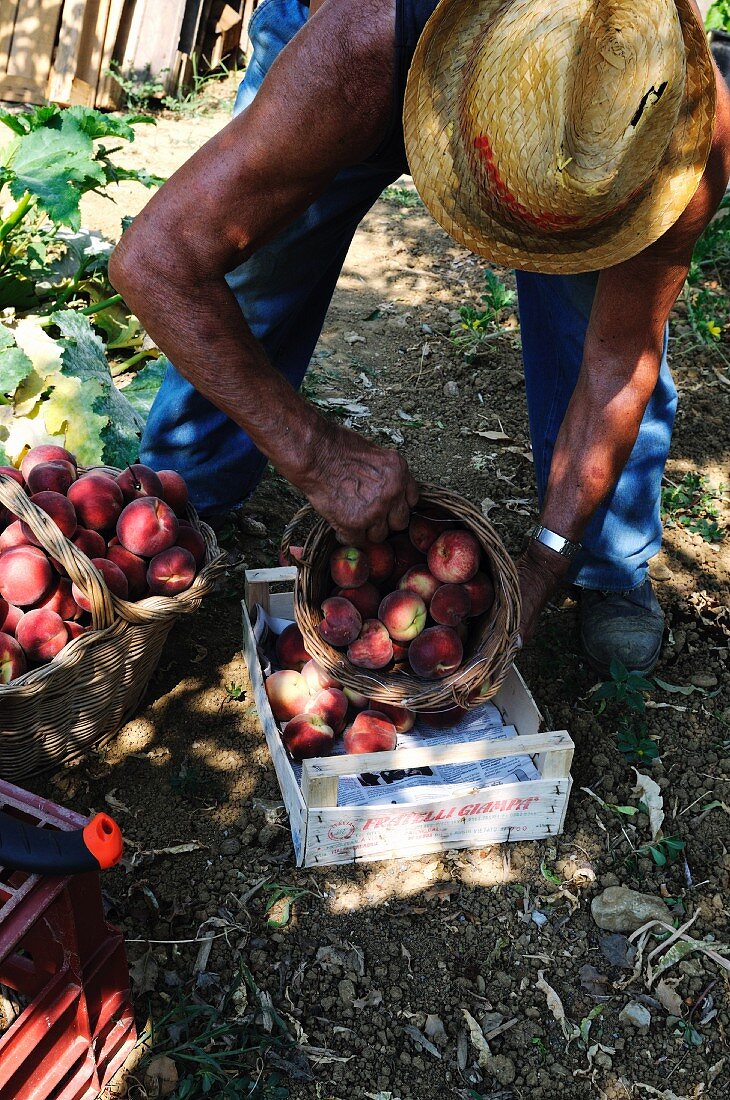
[(624, 625)]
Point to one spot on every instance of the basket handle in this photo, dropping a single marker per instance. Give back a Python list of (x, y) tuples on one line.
[(83, 574), (286, 539)]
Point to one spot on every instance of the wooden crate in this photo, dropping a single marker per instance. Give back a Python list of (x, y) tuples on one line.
[(325, 832)]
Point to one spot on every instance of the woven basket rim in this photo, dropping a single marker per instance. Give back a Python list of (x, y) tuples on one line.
[(111, 613), (498, 638)]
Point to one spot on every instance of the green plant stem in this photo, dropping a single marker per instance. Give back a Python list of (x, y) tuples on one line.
[(9, 224), (99, 307), (122, 368)]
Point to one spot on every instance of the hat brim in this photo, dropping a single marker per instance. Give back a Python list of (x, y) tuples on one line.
[(431, 116)]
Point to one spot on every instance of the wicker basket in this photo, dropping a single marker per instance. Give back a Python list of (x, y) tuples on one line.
[(492, 645), (53, 714)]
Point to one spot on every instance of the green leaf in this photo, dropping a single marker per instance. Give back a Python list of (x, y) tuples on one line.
[(56, 166), (618, 670), (14, 122), (98, 125), (84, 358), (142, 390), (658, 856), (15, 366)]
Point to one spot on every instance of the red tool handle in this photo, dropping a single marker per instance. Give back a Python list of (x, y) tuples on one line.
[(24, 847)]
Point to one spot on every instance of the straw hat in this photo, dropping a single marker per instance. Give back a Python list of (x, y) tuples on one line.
[(559, 135)]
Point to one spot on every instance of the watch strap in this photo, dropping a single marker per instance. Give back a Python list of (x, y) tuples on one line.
[(558, 543)]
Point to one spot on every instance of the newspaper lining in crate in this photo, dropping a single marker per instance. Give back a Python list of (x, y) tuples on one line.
[(337, 818), (409, 784)]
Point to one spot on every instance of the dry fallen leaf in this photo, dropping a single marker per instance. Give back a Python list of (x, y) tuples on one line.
[(650, 794), (484, 1054), (669, 998), (570, 1031)]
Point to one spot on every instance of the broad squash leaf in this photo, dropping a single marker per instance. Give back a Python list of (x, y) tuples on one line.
[(84, 358), (142, 390), (56, 166), (70, 412), (15, 366), (43, 352)]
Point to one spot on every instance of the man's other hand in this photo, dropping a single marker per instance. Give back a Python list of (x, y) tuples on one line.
[(541, 572)]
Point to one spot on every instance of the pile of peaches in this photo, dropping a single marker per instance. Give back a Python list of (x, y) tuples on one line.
[(132, 528), (402, 604), (408, 601), (313, 707)]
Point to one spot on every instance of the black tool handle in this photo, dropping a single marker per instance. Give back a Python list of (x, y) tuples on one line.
[(54, 852)]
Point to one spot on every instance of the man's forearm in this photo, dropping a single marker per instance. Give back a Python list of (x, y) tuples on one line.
[(596, 440), (201, 326)]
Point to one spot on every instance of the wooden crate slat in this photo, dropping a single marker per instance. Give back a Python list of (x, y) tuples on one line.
[(106, 95), (65, 63), (8, 14), (24, 76)]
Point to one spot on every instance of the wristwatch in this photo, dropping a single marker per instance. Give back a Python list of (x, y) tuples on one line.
[(560, 545)]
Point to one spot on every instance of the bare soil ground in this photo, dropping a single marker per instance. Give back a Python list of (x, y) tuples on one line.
[(418, 944)]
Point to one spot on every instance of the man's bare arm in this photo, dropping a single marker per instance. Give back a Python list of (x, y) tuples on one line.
[(325, 104), (621, 363)]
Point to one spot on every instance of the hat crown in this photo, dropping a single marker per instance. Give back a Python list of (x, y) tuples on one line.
[(591, 90)]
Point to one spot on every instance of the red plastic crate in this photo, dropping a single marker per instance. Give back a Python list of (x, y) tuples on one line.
[(68, 965)]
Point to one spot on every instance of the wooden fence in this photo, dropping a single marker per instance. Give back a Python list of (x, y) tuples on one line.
[(63, 50)]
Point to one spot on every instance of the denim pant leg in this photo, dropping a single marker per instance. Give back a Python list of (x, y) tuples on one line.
[(627, 530), (284, 292)]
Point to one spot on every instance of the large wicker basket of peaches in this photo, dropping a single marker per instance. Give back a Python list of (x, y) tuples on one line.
[(95, 567)]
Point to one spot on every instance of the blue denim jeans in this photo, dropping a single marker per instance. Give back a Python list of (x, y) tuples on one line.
[(284, 291)]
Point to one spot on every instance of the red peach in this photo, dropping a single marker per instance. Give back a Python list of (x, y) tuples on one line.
[(371, 731), (98, 501), (406, 555), (45, 452), (61, 601), (13, 615), (26, 576), (171, 572), (450, 605), (330, 704), (88, 542), (115, 580), (381, 559), (4, 605), (341, 623), (418, 579), (400, 652), (373, 649), (42, 634), (139, 481), (444, 718), (174, 491), (192, 540), (318, 678), (10, 471), (13, 536), (59, 509), (403, 719), (147, 526), (307, 736), (288, 694), (424, 530), (436, 653), (53, 477), (134, 569), (290, 650), (366, 599), (356, 700), (454, 557), (481, 590), (12, 659), (75, 630), (349, 567), (404, 615)]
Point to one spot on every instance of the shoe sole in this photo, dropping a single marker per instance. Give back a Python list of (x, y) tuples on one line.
[(604, 671)]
